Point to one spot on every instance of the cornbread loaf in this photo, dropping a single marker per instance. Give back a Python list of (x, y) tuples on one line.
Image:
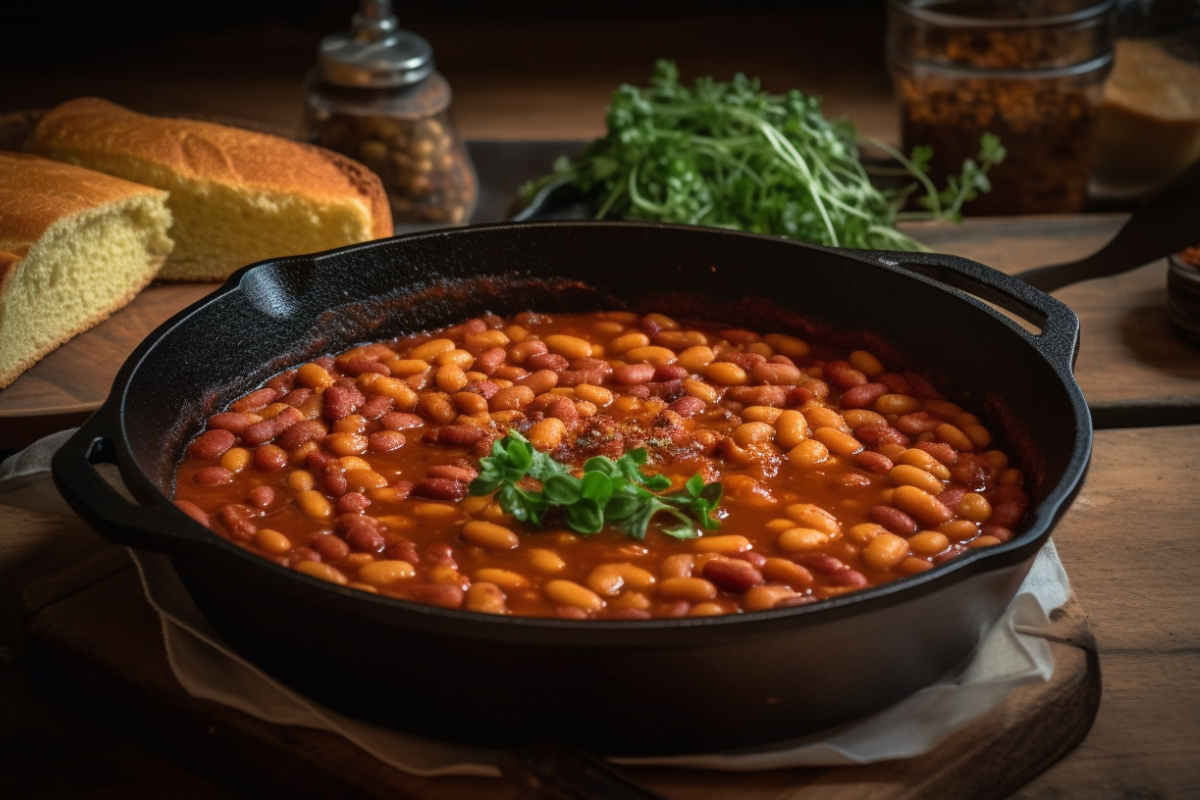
[(237, 196), (75, 246)]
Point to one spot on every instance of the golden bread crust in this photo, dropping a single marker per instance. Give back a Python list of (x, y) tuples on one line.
[(257, 162), (36, 192)]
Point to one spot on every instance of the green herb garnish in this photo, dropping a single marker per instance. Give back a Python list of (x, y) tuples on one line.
[(608, 493), (729, 155)]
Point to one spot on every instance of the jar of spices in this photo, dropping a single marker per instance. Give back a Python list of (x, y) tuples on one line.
[(376, 97), (1149, 124), (1029, 72)]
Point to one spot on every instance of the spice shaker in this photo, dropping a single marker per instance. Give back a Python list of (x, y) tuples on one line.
[(1030, 73), (376, 97)]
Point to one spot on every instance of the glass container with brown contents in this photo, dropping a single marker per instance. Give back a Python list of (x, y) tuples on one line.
[(376, 97), (1030, 73)]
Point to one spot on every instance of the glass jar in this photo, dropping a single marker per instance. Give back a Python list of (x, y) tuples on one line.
[(376, 97), (1149, 124), (1030, 73)]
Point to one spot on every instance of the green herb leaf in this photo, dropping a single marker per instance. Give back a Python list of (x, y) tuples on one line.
[(730, 155), (609, 493)]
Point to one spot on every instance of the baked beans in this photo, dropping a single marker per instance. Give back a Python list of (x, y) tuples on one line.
[(836, 472)]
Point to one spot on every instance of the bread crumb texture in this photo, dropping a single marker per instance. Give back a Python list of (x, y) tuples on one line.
[(236, 196), (75, 246)]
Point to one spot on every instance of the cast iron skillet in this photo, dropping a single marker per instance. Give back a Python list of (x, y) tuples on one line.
[(616, 687)]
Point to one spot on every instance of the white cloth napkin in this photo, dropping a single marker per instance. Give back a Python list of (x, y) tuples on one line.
[(1011, 655)]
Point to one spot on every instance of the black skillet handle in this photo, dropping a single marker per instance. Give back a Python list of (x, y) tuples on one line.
[(159, 526), (1058, 340)]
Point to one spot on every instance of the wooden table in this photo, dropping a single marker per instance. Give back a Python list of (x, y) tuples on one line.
[(1128, 542)]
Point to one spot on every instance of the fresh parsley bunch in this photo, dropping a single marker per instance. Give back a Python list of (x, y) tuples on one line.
[(729, 155), (609, 493)]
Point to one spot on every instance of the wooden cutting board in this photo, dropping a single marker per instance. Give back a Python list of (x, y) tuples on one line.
[(94, 641)]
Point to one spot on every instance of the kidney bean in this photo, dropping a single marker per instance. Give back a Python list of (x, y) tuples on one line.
[(593, 365), (668, 391), (676, 608), (999, 531), (310, 430), (561, 408), (232, 421), (670, 372), (360, 534), (403, 550), (756, 560), (849, 577), (456, 435), (874, 434), (863, 396), (687, 406), (1006, 514), (917, 423), (400, 421), (874, 462), (795, 600), (299, 554), (261, 496), (969, 472), (774, 396), (462, 474), (385, 441), (633, 374), (352, 503), (238, 520), (317, 461), (376, 406), (359, 364), (732, 576), (440, 489), (809, 389), (333, 481), (257, 399), (952, 496), (341, 401), (844, 376), (747, 361), (629, 613), (194, 511), (211, 444), (282, 383), (402, 489), (212, 476), (941, 451), (441, 554), (329, 547), (894, 520), (641, 392), (822, 563), (896, 383), (550, 361), (1008, 494), (490, 360), (270, 458), (296, 397), (268, 429), (442, 595), (570, 612)]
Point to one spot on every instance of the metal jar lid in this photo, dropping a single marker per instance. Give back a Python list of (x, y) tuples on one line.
[(375, 53)]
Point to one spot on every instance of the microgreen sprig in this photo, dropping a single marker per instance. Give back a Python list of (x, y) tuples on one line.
[(609, 492), (730, 155)]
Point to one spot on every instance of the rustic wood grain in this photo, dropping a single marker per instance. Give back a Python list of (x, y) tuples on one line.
[(1129, 357)]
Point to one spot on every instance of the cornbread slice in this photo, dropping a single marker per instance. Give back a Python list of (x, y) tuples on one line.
[(75, 246), (236, 196)]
